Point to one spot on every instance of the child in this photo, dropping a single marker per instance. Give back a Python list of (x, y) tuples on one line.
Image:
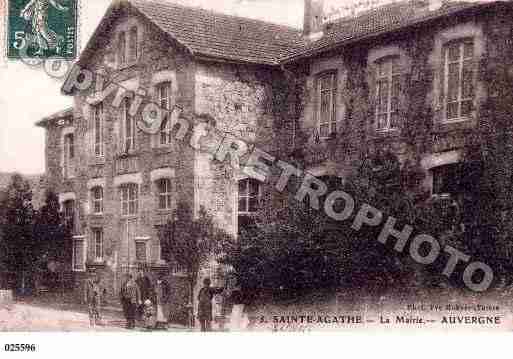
[(148, 314)]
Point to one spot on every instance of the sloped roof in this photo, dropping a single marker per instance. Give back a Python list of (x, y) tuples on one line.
[(58, 115), (381, 20), (222, 36)]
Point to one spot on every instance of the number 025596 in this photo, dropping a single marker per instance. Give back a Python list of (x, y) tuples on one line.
[(20, 347)]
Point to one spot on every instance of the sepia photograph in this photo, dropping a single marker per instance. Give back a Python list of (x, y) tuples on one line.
[(255, 167)]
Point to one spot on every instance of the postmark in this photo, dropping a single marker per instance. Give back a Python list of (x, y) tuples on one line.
[(42, 29)]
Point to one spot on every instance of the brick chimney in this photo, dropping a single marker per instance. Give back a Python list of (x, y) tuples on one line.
[(312, 24)]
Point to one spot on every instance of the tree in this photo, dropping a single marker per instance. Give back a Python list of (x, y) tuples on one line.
[(52, 237), (192, 241), (16, 222)]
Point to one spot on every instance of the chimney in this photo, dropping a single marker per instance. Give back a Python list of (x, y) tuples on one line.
[(312, 24)]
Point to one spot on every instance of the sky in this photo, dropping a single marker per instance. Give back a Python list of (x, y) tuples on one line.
[(27, 94)]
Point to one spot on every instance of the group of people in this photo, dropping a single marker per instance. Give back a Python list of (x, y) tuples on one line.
[(146, 302), (143, 301)]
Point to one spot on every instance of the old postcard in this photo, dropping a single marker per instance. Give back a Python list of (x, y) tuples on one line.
[(256, 166)]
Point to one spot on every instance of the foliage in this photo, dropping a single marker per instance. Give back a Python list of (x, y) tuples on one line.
[(192, 241)]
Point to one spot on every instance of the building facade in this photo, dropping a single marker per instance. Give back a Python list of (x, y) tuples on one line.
[(413, 78)]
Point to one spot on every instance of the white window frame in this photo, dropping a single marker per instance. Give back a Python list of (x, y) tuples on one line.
[(164, 91), (333, 91), (247, 196), (167, 194), (98, 130), (392, 73), (127, 199), (82, 267), (98, 257), (129, 139), (460, 62), (95, 200)]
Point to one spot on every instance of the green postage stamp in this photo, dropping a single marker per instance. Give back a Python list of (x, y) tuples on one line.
[(42, 29)]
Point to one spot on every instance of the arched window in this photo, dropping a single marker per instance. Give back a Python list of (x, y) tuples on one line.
[(97, 199), (388, 89), (129, 199), (133, 44), (122, 49), (165, 195)]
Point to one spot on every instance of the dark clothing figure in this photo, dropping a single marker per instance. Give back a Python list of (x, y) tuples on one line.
[(146, 292), (131, 298), (205, 306)]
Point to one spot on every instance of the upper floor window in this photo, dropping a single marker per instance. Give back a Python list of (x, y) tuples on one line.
[(98, 129), (133, 44), (140, 251), (327, 110), (458, 79), (128, 124), (79, 254), (98, 244), (69, 214), (122, 49), (69, 153), (388, 88), (129, 199), (164, 100), (249, 196), (97, 198), (165, 194)]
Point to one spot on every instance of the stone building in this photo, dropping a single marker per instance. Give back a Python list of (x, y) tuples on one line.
[(409, 77)]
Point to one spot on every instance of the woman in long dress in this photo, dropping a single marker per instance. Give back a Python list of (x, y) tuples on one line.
[(36, 11), (161, 298)]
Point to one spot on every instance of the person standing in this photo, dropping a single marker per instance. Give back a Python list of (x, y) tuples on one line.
[(161, 299), (133, 301), (95, 293), (205, 296), (146, 291), (123, 296)]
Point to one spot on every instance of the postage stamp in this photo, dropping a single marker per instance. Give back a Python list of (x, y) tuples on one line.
[(42, 29)]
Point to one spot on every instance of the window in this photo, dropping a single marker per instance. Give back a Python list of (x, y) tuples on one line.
[(388, 88), (291, 128), (129, 199), (165, 194), (164, 101), (98, 244), (249, 196), (122, 49), (69, 154), (140, 251), (98, 129), (327, 113), (69, 214), (133, 44), (178, 269), (79, 257), (446, 180), (458, 79), (97, 197), (128, 123)]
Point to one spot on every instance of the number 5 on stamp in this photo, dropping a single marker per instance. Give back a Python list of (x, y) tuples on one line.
[(42, 29)]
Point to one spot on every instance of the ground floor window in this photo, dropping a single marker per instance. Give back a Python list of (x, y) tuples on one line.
[(79, 257), (140, 251)]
